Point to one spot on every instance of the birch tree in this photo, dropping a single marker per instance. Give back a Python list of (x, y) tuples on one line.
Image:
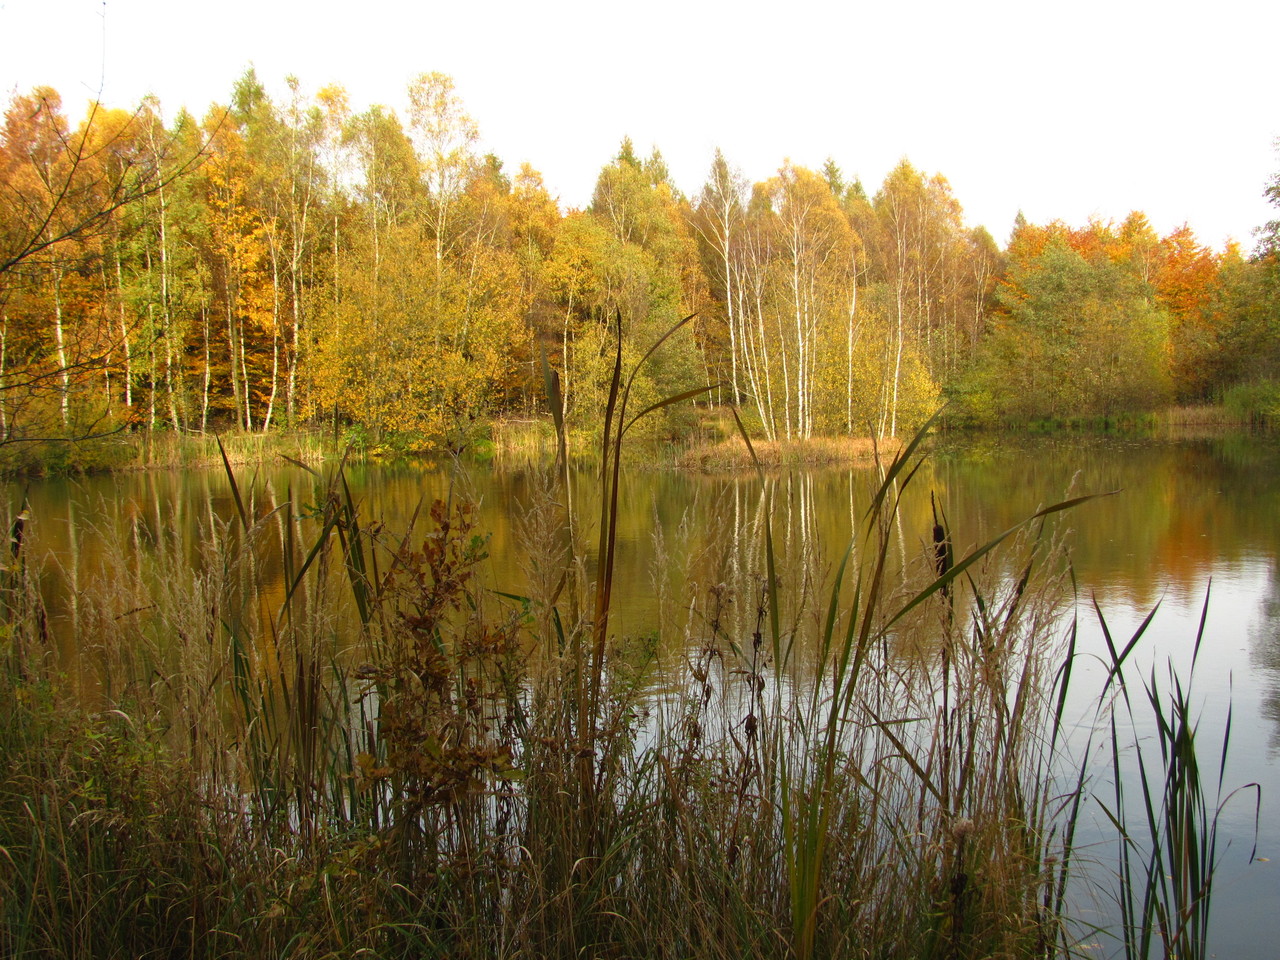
[(719, 220), (444, 137)]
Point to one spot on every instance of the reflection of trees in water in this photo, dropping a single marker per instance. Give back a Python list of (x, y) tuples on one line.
[(691, 547), (1179, 508), (1264, 652)]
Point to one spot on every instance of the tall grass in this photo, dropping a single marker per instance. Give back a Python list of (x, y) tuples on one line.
[(375, 754), (165, 448), (120, 449)]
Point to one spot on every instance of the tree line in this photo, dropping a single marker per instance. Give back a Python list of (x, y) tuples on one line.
[(280, 263)]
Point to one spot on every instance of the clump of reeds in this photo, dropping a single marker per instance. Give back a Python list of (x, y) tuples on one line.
[(1203, 415), (1167, 837), (524, 440), (167, 448), (730, 454)]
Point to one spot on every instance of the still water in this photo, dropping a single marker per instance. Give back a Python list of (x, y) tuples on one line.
[(1182, 522)]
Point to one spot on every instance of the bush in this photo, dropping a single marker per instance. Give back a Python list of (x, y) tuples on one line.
[(1257, 402)]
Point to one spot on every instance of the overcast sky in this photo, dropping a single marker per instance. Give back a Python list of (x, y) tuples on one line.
[(1064, 110)]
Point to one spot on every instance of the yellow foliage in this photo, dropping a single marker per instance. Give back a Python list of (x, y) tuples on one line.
[(415, 346)]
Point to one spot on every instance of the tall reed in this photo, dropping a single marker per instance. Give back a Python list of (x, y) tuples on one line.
[(1167, 839)]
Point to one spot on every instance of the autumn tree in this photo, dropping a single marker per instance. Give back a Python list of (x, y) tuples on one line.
[(788, 269), (429, 329), (444, 137), (627, 266), (811, 290), (574, 287), (926, 281), (294, 199), (149, 269), (1248, 294), (240, 239), (64, 195), (719, 219), (1187, 284), (1077, 331)]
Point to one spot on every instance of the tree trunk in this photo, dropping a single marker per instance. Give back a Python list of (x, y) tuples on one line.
[(4, 345), (275, 333), (852, 339), (208, 372), (124, 333), (232, 351), (244, 376), (65, 373), (151, 357), (166, 314)]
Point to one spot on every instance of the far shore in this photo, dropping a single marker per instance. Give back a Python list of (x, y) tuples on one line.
[(731, 454), (518, 440)]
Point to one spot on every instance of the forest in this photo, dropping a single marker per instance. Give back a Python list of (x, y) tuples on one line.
[(294, 264), (292, 717)]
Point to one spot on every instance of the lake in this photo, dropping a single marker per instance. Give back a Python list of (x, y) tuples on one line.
[(1182, 521)]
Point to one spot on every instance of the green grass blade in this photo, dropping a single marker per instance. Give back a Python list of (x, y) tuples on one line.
[(235, 488), (668, 401)]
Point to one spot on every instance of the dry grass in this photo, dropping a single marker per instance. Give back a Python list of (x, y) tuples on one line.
[(1193, 419), (1199, 415), (527, 438), (732, 455), (188, 450)]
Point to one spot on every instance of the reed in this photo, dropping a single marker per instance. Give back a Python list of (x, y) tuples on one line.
[(527, 440), (1167, 837), (1202, 416), (374, 753), (165, 448)]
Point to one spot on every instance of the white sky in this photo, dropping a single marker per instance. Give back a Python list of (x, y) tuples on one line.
[(1064, 110)]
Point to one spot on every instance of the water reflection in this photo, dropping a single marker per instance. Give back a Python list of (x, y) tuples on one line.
[(1183, 514), (1264, 654)]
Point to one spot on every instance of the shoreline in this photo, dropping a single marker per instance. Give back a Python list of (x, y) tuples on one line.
[(717, 452)]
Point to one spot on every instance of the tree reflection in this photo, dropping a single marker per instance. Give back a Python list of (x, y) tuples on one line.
[(1264, 654)]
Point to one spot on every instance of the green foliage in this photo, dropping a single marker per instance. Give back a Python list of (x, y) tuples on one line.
[(1074, 337), (1250, 294), (1257, 403)]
